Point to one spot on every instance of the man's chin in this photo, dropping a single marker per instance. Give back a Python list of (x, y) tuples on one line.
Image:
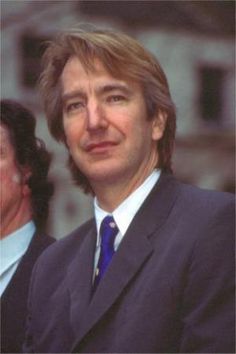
[(103, 176)]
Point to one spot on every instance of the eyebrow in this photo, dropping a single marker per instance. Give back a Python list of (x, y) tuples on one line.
[(72, 94), (113, 87), (99, 90)]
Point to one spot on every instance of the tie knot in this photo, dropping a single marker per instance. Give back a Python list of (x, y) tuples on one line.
[(108, 230), (108, 222)]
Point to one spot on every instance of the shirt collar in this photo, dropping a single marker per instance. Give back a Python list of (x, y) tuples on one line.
[(125, 212), (14, 245)]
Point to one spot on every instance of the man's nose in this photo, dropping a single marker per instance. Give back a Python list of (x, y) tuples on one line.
[(96, 117)]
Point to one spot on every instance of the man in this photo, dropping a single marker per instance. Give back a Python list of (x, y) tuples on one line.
[(25, 194), (152, 272)]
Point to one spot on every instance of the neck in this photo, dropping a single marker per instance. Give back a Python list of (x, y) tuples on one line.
[(15, 219), (111, 195)]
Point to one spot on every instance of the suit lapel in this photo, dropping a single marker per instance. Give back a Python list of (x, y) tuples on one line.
[(79, 278), (23, 273), (134, 251), (125, 263)]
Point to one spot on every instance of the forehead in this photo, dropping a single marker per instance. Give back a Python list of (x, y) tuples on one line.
[(75, 68), (76, 76), (4, 135), (6, 146)]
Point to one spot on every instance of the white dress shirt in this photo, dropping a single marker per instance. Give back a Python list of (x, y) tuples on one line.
[(12, 249), (125, 212)]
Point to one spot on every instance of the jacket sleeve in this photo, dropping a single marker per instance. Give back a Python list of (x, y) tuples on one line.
[(208, 304)]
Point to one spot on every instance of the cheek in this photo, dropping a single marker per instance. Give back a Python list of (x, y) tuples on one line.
[(10, 177), (6, 176), (135, 123), (73, 132), (140, 133), (10, 187)]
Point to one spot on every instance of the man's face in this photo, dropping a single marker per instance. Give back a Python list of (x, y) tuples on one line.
[(106, 126), (10, 178)]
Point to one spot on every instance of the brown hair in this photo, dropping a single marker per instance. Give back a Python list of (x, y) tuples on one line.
[(123, 57)]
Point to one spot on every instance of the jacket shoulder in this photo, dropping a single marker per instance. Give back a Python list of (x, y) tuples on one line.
[(65, 247), (208, 200)]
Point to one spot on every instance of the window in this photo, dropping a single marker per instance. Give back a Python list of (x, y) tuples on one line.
[(211, 94), (32, 49)]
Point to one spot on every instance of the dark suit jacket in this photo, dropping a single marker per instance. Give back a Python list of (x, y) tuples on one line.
[(169, 287), (14, 298)]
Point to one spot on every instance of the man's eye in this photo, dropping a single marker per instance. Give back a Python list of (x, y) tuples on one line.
[(116, 98), (71, 107)]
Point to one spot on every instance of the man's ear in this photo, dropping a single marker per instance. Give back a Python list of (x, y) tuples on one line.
[(158, 125), (25, 175)]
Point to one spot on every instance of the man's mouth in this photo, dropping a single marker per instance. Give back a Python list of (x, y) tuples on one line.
[(100, 147)]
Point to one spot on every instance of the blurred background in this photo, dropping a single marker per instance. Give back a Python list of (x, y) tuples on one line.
[(194, 42)]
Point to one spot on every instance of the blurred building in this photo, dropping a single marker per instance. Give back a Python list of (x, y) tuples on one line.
[(194, 42)]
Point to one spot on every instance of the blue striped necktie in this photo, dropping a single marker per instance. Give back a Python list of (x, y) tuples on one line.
[(108, 232)]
